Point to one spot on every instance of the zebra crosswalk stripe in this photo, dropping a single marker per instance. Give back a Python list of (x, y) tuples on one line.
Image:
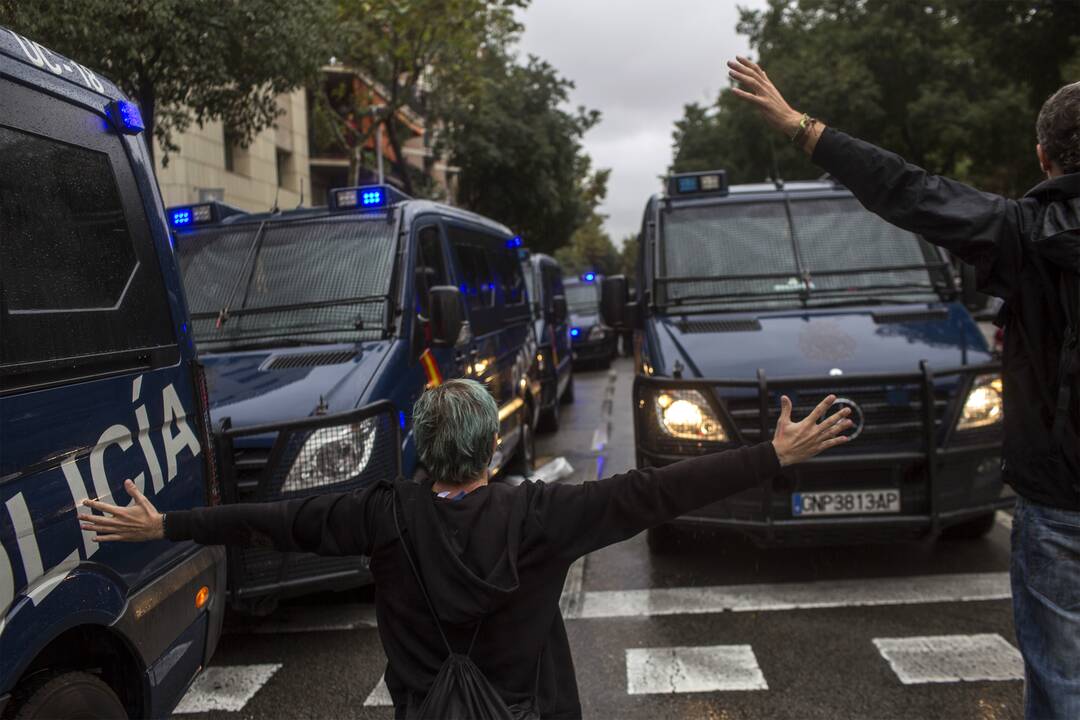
[(670, 670), (227, 688), (951, 658)]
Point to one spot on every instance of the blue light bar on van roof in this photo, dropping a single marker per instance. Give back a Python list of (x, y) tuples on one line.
[(367, 197), (589, 276), (191, 215), (514, 242), (125, 117), (713, 182)]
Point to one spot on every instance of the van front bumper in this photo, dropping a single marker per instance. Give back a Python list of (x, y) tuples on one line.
[(943, 477)]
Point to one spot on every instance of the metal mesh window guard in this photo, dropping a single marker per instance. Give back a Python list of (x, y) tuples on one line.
[(333, 265)]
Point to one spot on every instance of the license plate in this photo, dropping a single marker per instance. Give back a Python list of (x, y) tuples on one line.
[(845, 502)]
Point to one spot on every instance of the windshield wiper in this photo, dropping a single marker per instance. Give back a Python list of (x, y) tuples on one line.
[(224, 314)]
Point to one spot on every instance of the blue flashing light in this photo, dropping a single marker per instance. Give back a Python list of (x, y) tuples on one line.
[(588, 277), (372, 198), (125, 116), (401, 418), (574, 332), (514, 242), (181, 217), (688, 184), (368, 197)]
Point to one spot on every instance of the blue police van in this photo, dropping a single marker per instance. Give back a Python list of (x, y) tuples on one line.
[(593, 341), (99, 383), (749, 292), (554, 358), (320, 327)]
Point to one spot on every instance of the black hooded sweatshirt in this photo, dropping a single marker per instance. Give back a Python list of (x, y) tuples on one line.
[(500, 554), (1023, 251)]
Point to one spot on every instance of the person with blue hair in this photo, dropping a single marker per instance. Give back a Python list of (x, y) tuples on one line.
[(487, 560)]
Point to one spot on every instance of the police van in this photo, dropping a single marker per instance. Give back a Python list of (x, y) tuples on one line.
[(750, 292), (554, 358), (99, 383), (320, 327), (593, 341)]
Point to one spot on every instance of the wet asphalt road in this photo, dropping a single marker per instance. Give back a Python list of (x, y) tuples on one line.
[(821, 651)]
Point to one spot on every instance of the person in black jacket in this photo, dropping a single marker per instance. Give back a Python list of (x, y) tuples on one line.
[(494, 552), (1026, 252)]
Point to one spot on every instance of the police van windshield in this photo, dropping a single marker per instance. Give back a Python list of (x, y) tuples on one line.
[(582, 298), (293, 282), (831, 252)]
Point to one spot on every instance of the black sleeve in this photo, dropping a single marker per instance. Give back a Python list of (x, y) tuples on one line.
[(581, 518), (980, 228), (334, 524)]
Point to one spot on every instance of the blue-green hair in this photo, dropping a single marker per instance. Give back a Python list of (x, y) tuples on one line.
[(455, 426)]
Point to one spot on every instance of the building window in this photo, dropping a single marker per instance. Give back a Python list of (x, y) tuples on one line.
[(236, 155), (285, 169)]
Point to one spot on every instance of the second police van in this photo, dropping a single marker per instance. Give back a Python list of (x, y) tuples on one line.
[(320, 327), (754, 291), (554, 358), (99, 384)]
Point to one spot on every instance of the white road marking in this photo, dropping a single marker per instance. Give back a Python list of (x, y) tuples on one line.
[(554, 471), (692, 669), (796, 596), (380, 696), (227, 688), (1004, 519), (308, 618), (600, 438), (951, 658)]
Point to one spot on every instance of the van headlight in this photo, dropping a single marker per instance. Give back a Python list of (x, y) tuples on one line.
[(332, 455), (984, 405), (685, 414), (597, 333)]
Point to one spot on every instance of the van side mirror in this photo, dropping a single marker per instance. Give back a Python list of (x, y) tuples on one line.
[(616, 310), (559, 311), (447, 316), (973, 299)]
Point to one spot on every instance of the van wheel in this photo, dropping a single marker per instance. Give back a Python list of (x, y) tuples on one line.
[(970, 529), (70, 695), (525, 454), (549, 419), (568, 394), (662, 539)]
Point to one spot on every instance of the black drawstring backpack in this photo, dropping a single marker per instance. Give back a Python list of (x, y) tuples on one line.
[(460, 690)]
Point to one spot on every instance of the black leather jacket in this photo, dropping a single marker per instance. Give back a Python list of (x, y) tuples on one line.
[(1023, 251)]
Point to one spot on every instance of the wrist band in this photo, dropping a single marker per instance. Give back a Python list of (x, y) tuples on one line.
[(164, 531), (803, 122), (806, 125)]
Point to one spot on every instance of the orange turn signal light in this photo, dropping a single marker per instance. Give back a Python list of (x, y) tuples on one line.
[(202, 597)]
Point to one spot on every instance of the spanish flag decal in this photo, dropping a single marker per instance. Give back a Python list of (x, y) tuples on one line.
[(431, 368)]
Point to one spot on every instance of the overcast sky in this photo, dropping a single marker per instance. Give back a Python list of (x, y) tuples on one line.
[(638, 63)]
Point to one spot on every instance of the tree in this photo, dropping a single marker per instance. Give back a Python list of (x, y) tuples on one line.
[(422, 53), (953, 85), (520, 152), (187, 61), (629, 256), (590, 250)]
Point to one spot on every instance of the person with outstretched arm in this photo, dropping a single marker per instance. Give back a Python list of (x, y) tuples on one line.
[(1026, 252), (485, 552)]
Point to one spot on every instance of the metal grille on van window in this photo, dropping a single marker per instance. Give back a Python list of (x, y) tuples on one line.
[(719, 326), (305, 360), (910, 316)]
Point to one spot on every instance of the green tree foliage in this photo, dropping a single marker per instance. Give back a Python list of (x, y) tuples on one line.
[(629, 256), (425, 55), (520, 152), (953, 85), (187, 61), (590, 249)]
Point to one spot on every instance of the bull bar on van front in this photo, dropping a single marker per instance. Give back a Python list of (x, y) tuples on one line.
[(250, 474), (919, 441)]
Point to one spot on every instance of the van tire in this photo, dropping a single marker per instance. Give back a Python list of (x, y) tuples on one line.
[(549, 419), (662, 539), (972, 529), (525, 453), (568, 394), (70, 695)]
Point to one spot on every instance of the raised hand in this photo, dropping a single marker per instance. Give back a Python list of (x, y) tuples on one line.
[(796, 442), (757, 89), (138, 522)]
